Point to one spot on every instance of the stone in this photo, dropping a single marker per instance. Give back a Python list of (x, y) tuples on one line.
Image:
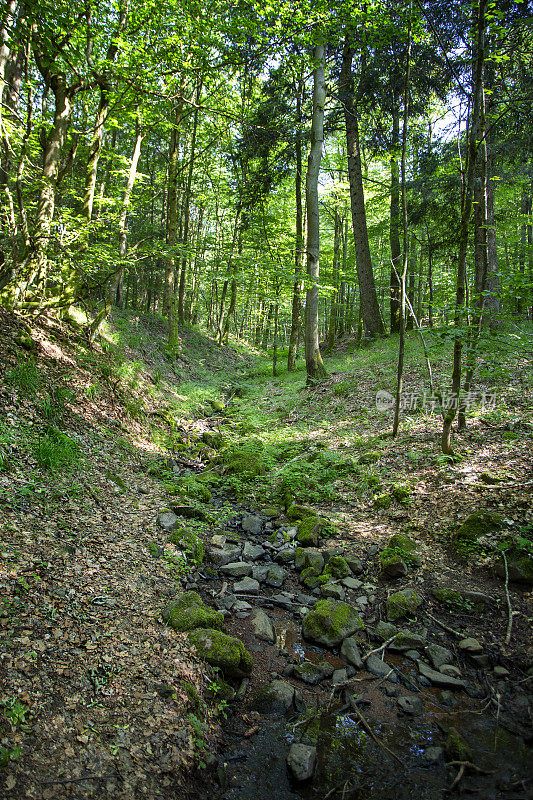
[(285, 556), (339, 677), (439, 655), (236, 569), (407, 640), (263, 627), (218, 540), (297, 512), (432, 755), (189, 543), (455, 747), (477, 524), (308, 557), (312, 673), (332, 590), (192, 512), (260, 573), (225, 555), (501, 672), (370, 457), (277, 698), (384, 631), (351, 583), (246, 586), (337, 567), (309, 531), (226, 652), (450, 670), (330, 622), (377, 666), (393, 566), (401, 604), (470, 646), (283, 599), (351, 653), (411, 705), (355, 564), (189, 612), (438, 679), (241, 607), (519, 566), (167, 520), (301, 761), (251, 552), (276, 576), (252, 523)]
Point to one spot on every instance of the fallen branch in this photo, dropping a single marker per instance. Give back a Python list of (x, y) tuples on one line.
[(380, 648), (508, 599), (85, 778), (371, 733), (445, 627)]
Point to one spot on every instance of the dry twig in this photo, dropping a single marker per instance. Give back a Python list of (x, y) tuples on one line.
[(371, 733)]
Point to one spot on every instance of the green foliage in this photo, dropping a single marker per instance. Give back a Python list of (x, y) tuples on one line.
[(53, 405), (25, 377), (54, 450), (6, 438)]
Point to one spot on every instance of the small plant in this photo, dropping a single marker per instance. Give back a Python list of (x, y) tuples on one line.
[(52, 406), (25, 377), (15, 712), (9, 754), (55, 450)]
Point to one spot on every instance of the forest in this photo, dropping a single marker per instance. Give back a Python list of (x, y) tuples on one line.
[(266, 336)]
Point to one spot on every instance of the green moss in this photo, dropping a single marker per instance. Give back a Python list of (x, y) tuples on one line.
[(190, 612), (297, 512), (337, 567), (225, 652), (456, 748), (246, 459), (382, 501), (401, 604), (449, 597), (401, 494), (399, 548), (330, 622), (193, 698), (188, 542), (370, 457), (309, 531), (310, 577), (217, 405), (475, 525)]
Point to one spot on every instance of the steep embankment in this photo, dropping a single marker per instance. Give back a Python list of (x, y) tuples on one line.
[(361, 649)]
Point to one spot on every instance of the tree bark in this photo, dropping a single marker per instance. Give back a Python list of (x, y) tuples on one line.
[(394, 233), (296, 312)]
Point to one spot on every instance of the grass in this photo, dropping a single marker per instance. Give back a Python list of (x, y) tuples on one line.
[(54, 450)]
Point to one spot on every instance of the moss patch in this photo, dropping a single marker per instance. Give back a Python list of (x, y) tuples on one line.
[(297, 512), (402, 604), (189, 543), (330, 622), (337, 567), (225, 652), (309, 531), (190, 612), (476, 525)]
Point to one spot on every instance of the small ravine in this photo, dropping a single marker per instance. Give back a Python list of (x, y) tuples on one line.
[(419, 718)]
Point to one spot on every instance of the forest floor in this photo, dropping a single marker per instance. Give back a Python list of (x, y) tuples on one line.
[(100, 698)]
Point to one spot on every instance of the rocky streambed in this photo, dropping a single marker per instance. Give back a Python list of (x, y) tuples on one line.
[(340, 681)]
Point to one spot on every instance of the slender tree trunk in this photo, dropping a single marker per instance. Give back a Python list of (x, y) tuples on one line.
[(334, 312), (395, 248), (186, 213), (313, 359), (373, 322), (296, 314)]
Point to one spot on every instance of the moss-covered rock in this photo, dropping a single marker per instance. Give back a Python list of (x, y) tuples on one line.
[(382, 501), (310, 577), (398, 554), (217, 405), (308, 557), (309, 530), (245, 459), (370, 457), (337, 567), (225, 652), (189, 612), (519, 566), (213, 439), (296, 512), (392, 565), (478, 524), (330, 622), (401, 494), (448, 597), (455, 747), (189, 543), (193, 698), (402, 604)]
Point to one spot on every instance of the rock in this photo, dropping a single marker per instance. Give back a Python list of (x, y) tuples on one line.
[(301, 761), (277, 698), (263, 627), (501, 672), (481, 660), (252, 524), (355, 564), (246, 586), (284, 599), (312, 673), (260, 573), (401, 604), (480, 523), (438, 679), (309, 531), (351, 653), (192, 512), (337, 567), (407, 640), (393, 566), (339, 677), (384, 631), (189, 612), (332, 590), (411, 705), (285, 556), (167, 520), (376, 666), (241, 607), (189, 543), (24, 340), (275, 576), (237, 569), (308, 557), (439, 655), (226, 652), (370, 457), (297, 512), (218, 540), (251, 552), (213, 439), (225, 555), (519, 566), (330, 622), (432, 755), (471, 646), (351, 583), (455, 747), (450, 670)]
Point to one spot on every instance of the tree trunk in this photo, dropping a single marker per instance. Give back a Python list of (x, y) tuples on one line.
[(334, 312), (395, 248), (372, 320), (313, 359), (186, 213), (296, 314)]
